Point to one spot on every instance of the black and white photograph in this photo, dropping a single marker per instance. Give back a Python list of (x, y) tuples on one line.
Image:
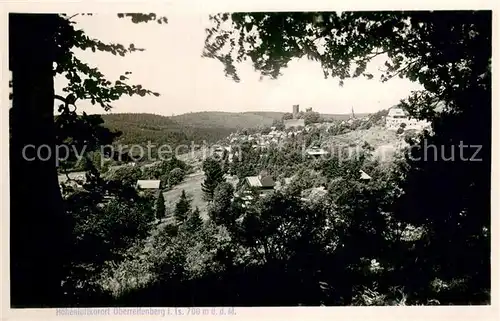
[(192, 163)]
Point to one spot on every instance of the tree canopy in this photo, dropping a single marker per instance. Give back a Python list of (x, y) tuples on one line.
[(40, 47), (449, 53), (214, 175)]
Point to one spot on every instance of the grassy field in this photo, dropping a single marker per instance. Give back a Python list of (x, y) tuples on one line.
[(385, 142), (375, 136), (192, 186)]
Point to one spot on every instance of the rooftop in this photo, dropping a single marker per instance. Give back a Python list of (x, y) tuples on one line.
[(316, 151), (397, 111), (364, 175), (260, 181), (148, 184)]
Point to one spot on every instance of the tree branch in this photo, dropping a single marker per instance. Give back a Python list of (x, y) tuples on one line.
[(76, 14), (399, 71)]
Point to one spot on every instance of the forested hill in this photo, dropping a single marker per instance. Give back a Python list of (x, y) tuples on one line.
[(212, 119), (198, 127), (242, 120), (182, 129), (332, 117), (141, 128)]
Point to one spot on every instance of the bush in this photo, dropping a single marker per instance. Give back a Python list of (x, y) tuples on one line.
[(128, 175), (102, 232), (176, 176)]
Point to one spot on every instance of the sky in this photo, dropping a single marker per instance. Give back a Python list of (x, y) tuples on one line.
[(172, 66)]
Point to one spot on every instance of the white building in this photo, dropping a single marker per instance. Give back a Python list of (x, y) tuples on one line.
[(398, 116), (316, 152), (148, 184)]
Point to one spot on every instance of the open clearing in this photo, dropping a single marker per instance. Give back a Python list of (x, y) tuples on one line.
[(192, 186), (384, 142)]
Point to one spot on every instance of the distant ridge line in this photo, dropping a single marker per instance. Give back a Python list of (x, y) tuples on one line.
[(230, 112)]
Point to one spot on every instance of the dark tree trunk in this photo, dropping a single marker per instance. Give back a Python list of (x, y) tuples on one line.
[(37, 217)]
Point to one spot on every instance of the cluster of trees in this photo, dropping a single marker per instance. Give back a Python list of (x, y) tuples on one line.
[(449, 53), (171, 172), (214, 175), (245, 163), (310, 117), (378, 118), (340, 251), (141, 129), (227, 120), (107, 217), (279, 124), (283, 161), (103, 219)]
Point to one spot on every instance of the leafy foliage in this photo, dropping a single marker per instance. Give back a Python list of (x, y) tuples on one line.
[(194, 222), (449, 53), (311, 117), (40, 47), (128, 175), (182, 208), (213, 177), (176, 176), (107, 218), (160, 207), (221, 211)]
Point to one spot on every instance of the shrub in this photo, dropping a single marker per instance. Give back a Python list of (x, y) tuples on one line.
[(176, 176)]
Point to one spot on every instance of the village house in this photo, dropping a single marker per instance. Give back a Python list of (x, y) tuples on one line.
[(262, 184), (149, 186), (316, 152), (398, 116)]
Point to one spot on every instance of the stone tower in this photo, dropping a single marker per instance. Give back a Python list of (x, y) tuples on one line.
[(295, 111)]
